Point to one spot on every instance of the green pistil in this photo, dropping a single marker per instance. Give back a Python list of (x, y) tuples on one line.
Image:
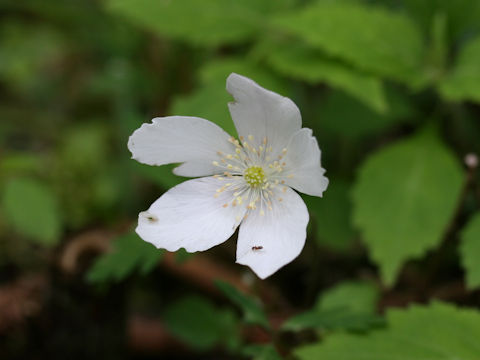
[(254, 176)]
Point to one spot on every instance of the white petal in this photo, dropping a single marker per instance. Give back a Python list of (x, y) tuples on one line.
[(262, 113), (280, 233), (190, 216), (175, 139), (303, 171)]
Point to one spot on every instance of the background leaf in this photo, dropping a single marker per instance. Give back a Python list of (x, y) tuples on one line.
[(470, 250), (198, 323), (347, 117), (331, 215), (129, 253), (203, 23), (32, 209), (301, 62), (346, 306), (464, 81), (252, 311), (438, 331), (390, 45), (356, 296), (404, 197)]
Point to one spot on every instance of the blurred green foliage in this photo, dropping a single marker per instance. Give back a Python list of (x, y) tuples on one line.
[(440, 331), (390, 88)]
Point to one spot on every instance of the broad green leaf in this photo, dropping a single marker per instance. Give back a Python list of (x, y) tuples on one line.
[(32, 209), (129, 253), (404, 198), (435, 332), (331, 216), (301, 62), (333, 319), (210, 99), (347, 306), (198, 323), (207, 23), (360, 297), (371, 38), (252, 310), (470, 252), (463, 83)]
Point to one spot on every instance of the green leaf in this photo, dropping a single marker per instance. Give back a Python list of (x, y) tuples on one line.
[(129, 253), (462, 16), (301, 62), (463, 83), (356, 296), (32, 209), (347, 306), (198, 323), (331, 216), (344, 115), (210, 99), (252, 311), (437, 332), (470, 250), (333, 319), (404, 198), (371, 38), (203, 23)]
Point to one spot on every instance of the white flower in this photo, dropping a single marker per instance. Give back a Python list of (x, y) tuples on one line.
[(247, 182)]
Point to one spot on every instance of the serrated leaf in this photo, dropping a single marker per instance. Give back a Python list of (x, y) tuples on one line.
[(356, 296), (333, 319), (32, 209), (129, 253), (470, 250), (347, 306), (252, 310), (210, 99), (301, 62), (371, 38), (404, 198), (208, 23), (464, 81), (331, 216), (437, 332), (198, 323)]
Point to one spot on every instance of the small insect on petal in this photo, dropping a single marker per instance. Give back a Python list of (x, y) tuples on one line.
[(256, 248), (150, 217)]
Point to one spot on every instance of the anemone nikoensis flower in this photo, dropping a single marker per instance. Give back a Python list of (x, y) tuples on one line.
[(246, 182)]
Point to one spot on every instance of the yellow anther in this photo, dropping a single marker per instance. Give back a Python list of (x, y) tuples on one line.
[(254, 176)]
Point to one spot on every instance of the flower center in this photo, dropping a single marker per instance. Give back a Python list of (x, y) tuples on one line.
[(254, 176)]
